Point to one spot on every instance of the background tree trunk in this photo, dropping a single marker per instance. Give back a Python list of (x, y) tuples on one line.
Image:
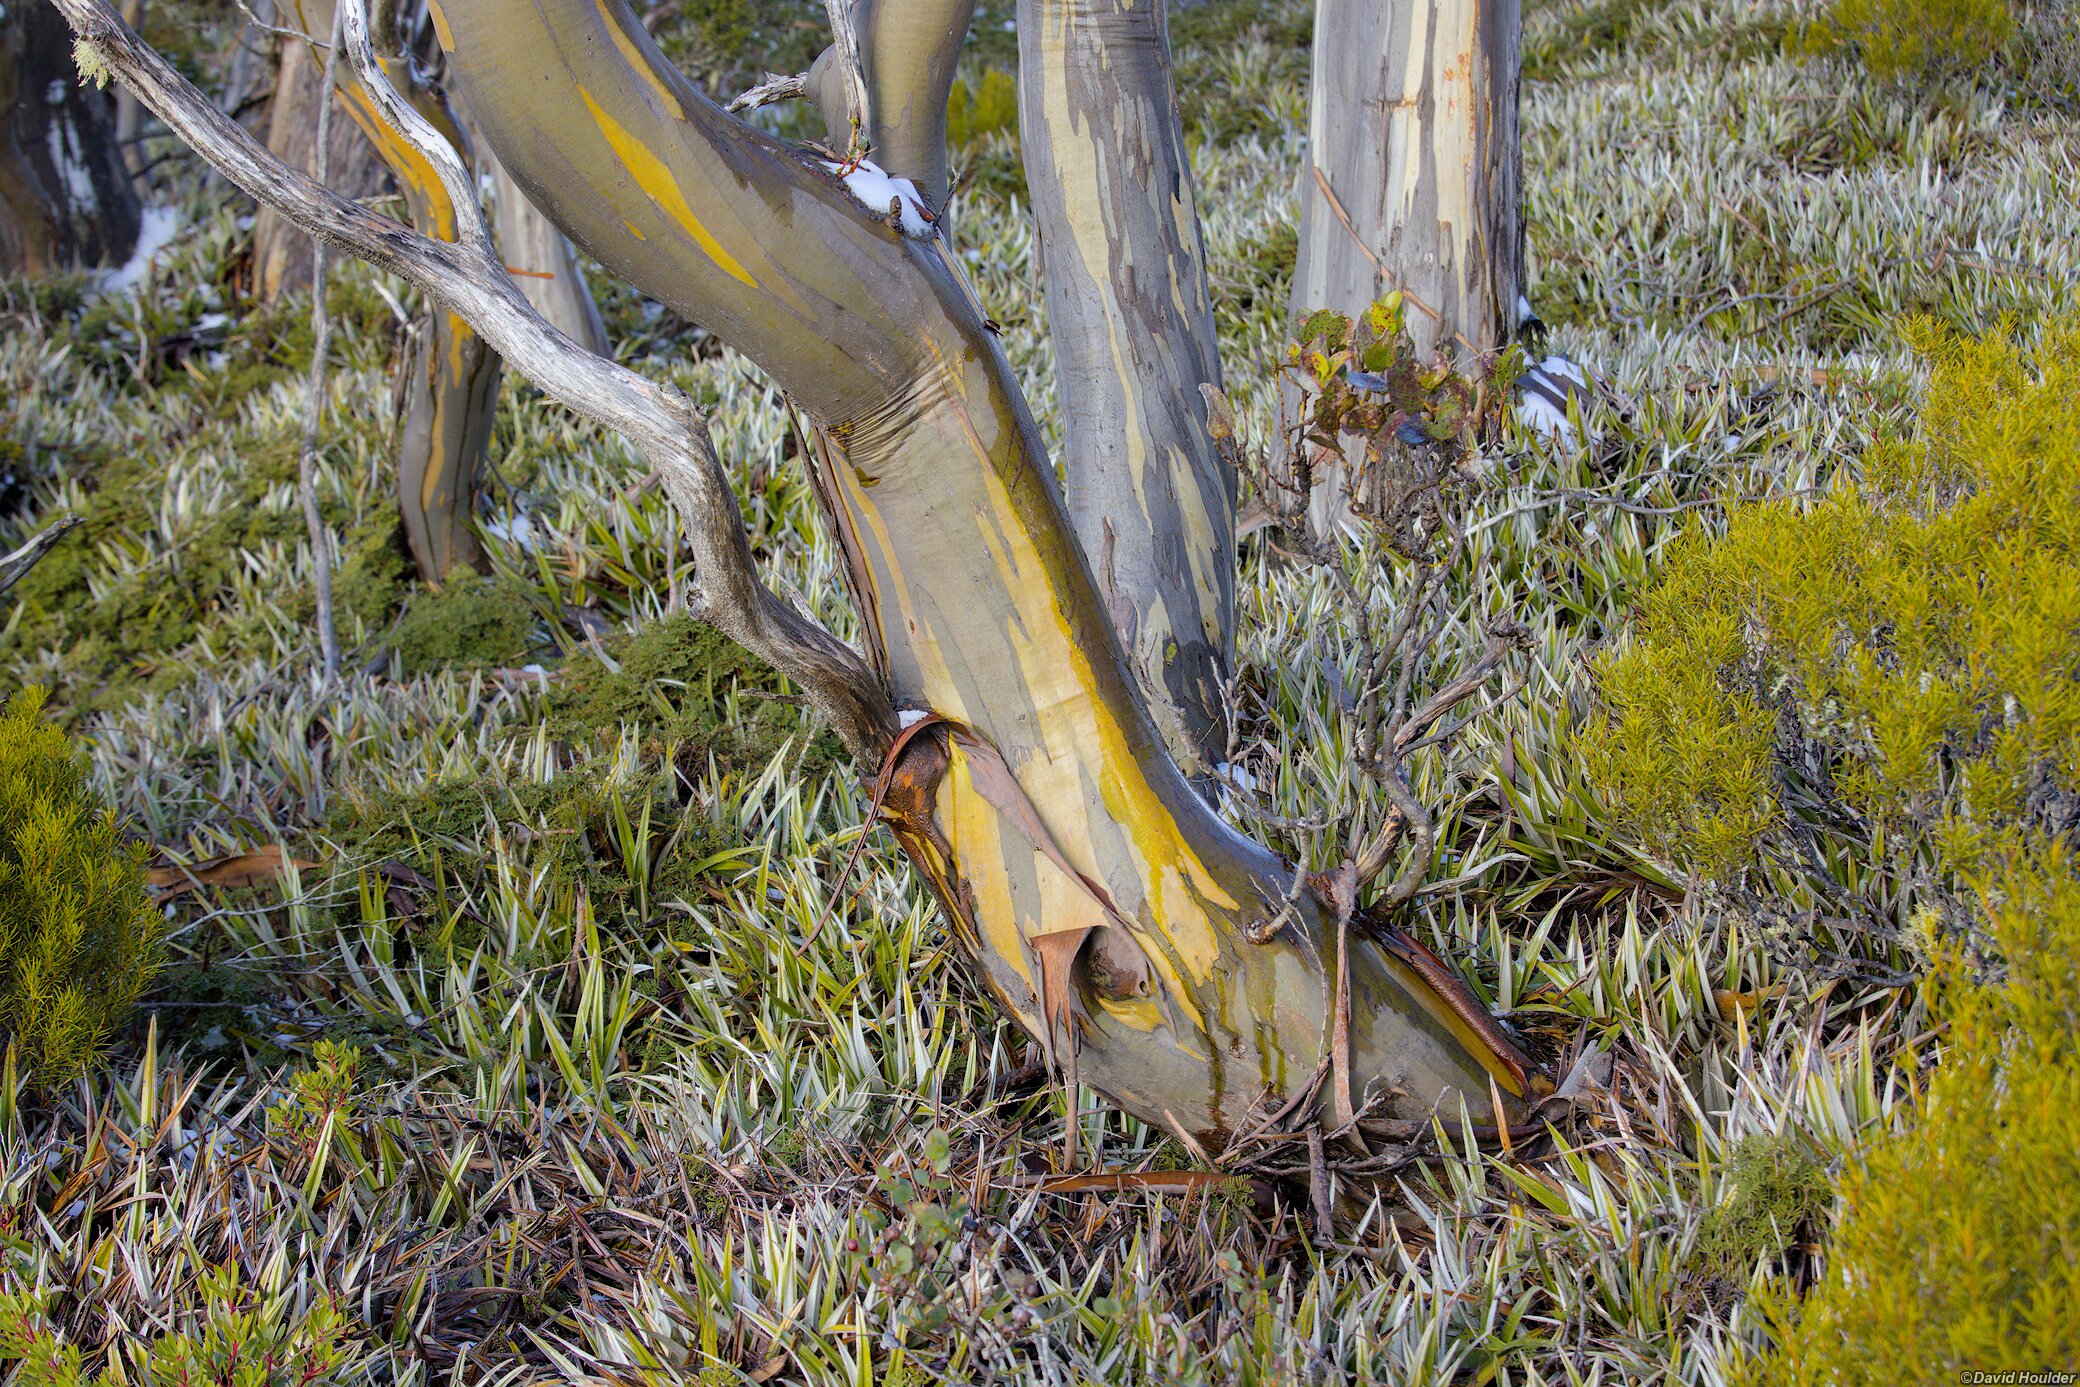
[(281, 253), (1413, 173), (546, 265), (1151, 499), (65, 196)]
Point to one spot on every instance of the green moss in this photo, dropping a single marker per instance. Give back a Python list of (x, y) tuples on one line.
[(124, 634), (1774, 1193), (685, 683), (78, 937), (472, 623)]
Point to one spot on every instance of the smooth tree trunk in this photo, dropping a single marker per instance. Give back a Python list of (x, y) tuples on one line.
[(281, 253), (1151, 501), (66, 198), (545, 264), (1105, 904), (1156, 953), (451, 388), (1413, 175)]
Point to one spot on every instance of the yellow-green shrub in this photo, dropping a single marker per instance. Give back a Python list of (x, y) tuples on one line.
[(1918, 632), (1901, 40), (1959, 1241), (1905, 653), (987, 107), (78, 937)]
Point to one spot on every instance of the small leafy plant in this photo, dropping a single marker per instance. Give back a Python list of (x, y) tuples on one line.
[(79, 939)]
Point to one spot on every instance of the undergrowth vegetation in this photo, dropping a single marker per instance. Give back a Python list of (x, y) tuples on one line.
[(520, 1029), (78, 938)]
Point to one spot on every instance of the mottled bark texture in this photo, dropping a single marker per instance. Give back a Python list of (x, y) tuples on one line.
[(1151, 500), (281, 252), (1412, 178), (65, 195), (1412, 131), (1103, 902)]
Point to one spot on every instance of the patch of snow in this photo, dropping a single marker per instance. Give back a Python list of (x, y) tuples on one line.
[(55, 93), (1543, 395), (69, 164), (910, 717), (875, 189), (1547, 420), (518, 531), (1524, 313), (211, 320), (154, 234)]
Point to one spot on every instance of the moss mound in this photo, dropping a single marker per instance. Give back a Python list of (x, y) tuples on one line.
[(472, 623), (686, 686)]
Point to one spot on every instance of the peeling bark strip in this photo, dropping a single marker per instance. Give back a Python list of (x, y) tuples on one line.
[(1152, 500), (1413, 126), (65, 195), (1053, 815)]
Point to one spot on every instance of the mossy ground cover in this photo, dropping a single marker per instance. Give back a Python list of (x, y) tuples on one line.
[(640, 1093)]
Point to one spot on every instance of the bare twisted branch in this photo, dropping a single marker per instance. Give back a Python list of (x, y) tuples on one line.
[(467, 277)]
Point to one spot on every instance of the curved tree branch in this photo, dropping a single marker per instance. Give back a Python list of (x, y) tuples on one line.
[(758, 241), (466, 277)]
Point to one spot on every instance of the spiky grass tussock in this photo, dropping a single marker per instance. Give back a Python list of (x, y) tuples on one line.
[(638, 1095)]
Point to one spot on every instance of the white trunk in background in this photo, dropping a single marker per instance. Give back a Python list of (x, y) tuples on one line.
[(1413, 170), (549, 272)]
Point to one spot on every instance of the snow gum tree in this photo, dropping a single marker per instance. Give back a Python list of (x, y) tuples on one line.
[(1038, 679), (65, 193)]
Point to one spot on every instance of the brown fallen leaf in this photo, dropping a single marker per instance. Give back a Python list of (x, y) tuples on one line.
[(238, 869), (1730, 1001), (770, 1369)]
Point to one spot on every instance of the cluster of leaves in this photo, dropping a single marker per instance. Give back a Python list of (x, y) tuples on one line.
[(78, 937), (1900, 653), (242, 1336), (1916, 40), (1405, 427)]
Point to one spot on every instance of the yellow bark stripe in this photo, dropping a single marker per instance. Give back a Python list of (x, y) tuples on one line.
[(634, 55), (440, 26), (656, 180)]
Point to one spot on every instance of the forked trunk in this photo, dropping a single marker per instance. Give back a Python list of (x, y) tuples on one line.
[(1413, 172), (1107, 906), (1159, 955), (65, 196)]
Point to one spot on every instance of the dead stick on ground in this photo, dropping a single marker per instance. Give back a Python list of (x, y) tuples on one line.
[(321, 332)]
